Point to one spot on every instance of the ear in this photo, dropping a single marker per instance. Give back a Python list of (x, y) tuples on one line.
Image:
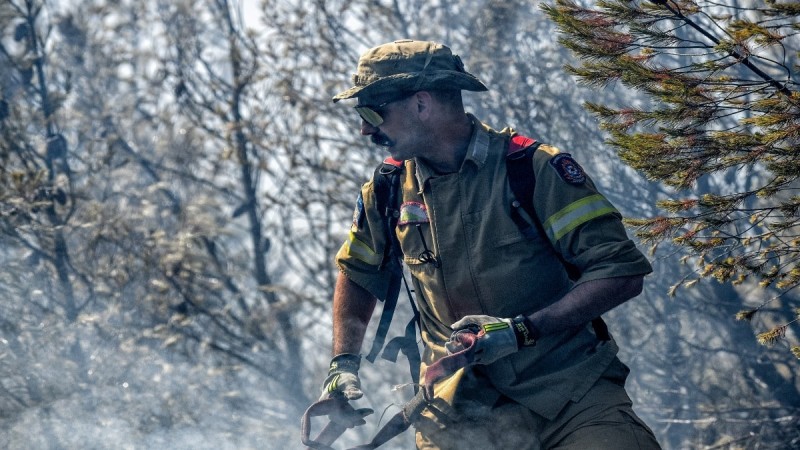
[(424, 104)]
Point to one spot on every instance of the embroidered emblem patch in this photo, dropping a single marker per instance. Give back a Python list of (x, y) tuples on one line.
[(358, 213), (568, 169), (413, 212)]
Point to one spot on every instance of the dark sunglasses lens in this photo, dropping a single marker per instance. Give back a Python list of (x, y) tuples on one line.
[(370, 116)]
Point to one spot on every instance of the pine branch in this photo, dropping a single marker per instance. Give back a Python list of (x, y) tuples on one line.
[(705, 118), (726, 46)]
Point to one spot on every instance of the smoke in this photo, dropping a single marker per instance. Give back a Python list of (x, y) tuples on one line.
[(139, 396)]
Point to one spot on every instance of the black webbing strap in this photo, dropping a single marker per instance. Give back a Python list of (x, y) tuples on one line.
[(519, 165), (342, 416), (407, 343), (443, 368), (386, 183), (399, 423), (389, 305)]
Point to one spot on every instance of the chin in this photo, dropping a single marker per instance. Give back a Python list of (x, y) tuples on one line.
[(399, 156)]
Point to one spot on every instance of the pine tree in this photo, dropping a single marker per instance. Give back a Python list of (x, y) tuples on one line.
[(723, 103)]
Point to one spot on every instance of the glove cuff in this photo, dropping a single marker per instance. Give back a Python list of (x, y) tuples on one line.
[(526, 333), (345, 362)]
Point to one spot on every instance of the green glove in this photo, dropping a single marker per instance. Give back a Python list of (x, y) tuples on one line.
[(497, 337), (343, 377)]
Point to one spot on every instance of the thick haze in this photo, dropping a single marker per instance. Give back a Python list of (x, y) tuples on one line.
[(174, 183)]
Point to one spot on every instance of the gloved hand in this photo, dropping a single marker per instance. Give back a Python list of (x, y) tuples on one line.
[(343, 377), (497, 337)]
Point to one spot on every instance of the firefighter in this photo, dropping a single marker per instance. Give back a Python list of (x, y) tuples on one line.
[(545, 374)]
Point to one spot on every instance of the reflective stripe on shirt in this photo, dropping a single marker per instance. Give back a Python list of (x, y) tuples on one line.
[(576, 214), (359, 250)]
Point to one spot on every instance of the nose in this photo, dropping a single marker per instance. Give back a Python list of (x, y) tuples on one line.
[(367, 129)]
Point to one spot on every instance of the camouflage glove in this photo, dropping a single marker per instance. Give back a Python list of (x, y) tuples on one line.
[(497, 337), (343, 377)]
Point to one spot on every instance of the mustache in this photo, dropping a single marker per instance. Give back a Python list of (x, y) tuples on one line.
[(381, 139)]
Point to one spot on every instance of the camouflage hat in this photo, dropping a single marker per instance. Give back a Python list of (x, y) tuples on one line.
[(408, 65)]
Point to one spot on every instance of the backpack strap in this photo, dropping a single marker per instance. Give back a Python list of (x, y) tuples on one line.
[(519, 165), (386, 182)]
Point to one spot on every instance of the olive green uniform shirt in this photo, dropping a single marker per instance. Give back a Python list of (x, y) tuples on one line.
[(487, 266)]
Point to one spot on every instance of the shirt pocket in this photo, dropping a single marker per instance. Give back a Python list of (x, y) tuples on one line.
[(486, 235), (512, 238), (411, 241), (414, 234), (418, 255), (516, 273)]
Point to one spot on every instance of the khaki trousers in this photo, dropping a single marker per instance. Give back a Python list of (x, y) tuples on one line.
[(602, 420)]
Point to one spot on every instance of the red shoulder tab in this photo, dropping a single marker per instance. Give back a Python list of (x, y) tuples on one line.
[(519, 142), (393, 162)]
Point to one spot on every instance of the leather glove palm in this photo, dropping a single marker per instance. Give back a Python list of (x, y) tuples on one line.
[(497, 337), (343, 377)]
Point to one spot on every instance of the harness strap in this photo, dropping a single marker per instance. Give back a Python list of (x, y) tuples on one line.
[(519, 164), (407, 343), (389, 306), (439, 370), (342, 415), (387, 179), (396, 425), (519, 160), (399, 423)]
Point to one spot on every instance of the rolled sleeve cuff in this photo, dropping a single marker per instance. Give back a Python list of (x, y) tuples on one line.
[(368, 276), (627, 260)]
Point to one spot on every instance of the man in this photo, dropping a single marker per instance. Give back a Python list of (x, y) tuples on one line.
[(543, 377)]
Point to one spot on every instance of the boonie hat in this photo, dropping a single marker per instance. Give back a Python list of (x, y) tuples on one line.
[(409, 65)]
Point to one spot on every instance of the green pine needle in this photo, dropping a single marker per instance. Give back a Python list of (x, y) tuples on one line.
[(772, 336), (746, 315)]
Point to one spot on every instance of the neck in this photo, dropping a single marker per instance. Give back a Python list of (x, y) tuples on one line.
[(452, 140)]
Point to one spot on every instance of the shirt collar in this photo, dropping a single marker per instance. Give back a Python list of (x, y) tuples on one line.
[(476, 152)]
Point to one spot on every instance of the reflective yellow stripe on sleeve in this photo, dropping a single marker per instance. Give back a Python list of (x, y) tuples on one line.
[(361, 251), (576, 214)]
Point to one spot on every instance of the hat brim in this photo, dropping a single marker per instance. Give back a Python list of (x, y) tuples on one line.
[(439, 79)]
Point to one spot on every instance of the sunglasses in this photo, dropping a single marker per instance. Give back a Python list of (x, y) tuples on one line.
[(373, 114)]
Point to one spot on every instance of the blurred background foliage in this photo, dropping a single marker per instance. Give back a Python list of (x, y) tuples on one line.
[(174, 183)]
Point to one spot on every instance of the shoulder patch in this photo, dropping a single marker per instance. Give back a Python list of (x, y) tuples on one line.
[(358, 214), (568, 169)]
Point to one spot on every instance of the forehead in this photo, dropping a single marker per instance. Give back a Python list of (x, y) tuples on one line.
[(380, 98)]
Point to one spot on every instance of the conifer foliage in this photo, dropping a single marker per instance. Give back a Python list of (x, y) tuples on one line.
[(720, 125)]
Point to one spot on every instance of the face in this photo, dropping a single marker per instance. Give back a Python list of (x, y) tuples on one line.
[(392, 125)]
